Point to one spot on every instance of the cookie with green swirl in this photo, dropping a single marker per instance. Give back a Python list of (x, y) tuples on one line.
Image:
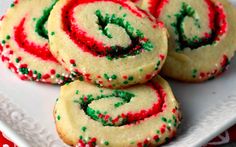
[(142, 115), (110, 43), (24, 41), (202, 36)]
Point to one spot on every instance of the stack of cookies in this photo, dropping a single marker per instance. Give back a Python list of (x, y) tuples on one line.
[(108, 53)]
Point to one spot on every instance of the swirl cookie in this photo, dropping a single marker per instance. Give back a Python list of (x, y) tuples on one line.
[(202, 36), (143, 115), (111, 43), (24, 41)]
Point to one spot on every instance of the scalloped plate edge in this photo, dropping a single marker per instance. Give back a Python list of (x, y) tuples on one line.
[(21, 128)]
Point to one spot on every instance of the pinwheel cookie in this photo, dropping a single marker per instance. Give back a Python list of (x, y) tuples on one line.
[(202, 36), (24, 40), (143, 115), (111, 43)]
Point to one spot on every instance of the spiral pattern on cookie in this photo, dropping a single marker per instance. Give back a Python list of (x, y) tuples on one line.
[(143, 115), (24, 41), (201, 36), (110, 43)]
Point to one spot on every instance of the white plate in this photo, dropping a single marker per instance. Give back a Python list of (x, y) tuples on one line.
[(26, 108)]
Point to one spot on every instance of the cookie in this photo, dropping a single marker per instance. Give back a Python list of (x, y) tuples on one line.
[(143, 115), (24, 41), (110, 43), (202, 36)]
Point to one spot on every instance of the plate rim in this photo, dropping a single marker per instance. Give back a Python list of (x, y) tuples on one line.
[(25, 131)]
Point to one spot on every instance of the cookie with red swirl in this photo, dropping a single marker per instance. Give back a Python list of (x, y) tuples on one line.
[(110, 43), (202, 36), (24, 41), (142, 115)]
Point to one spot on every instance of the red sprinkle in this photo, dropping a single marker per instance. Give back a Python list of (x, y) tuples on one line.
[(162, 56), (155, 137), (11, 52), (23, 66), (46, 76), (174, 110), (7, 46), (53, 72), (163, 129), (72, 61), (148, 76)]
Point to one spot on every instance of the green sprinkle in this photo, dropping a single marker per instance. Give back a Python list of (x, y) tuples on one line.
[(164, 119), (109, 57), (148, 46), (125, 82), (3, 41), (158, 131), (39, 76), (106, 143), (81, 78), (124, 15), (139, 34), (120, 7), (194, 73), (132, 142), (114, 77), (17, 60), (34, 19), (211, 78), (12, 5), (157, 140), (58, 75), (131, 78), (77, 92), (8, 37), (24, 70), (106, 76), (116, 105), (84, 129), (52, 33), (58, 117), (76, 101), (167, 139)]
